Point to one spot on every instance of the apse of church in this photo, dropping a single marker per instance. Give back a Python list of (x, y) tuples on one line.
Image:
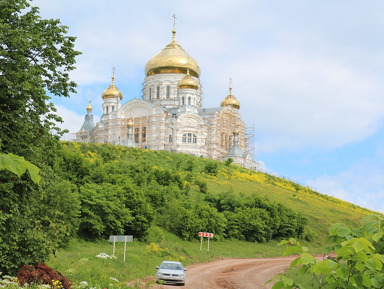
[(169, 115)]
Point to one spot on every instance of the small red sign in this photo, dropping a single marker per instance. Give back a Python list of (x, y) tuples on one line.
[(203, 234)]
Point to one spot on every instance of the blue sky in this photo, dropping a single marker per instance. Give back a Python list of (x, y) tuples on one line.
[(308, 74)]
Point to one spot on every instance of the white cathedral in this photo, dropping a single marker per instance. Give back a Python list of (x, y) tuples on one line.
[(169, 115)]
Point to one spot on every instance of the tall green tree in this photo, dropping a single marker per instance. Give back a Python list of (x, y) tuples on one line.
[(36, 56)]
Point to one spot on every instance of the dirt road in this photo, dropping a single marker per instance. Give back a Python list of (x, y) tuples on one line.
[(233, 274)]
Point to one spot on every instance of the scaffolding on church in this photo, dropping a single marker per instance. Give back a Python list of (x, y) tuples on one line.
[(250, 139)]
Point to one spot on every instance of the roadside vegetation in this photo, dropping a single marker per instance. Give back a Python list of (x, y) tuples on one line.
[(357, 260)]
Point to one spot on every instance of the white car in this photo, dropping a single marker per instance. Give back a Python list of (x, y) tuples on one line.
[(170, 272)]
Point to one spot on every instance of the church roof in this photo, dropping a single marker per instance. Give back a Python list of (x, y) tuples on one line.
[(112, 91), (209, 111), (172, 59), (230, 100), (88, 120), (188, 82)]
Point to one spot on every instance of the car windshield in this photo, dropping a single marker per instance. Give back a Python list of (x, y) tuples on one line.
[(171, 266)]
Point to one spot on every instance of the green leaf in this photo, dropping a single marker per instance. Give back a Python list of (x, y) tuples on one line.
[(379, 257), (362, 244), (377, 280), (343, 272), (374, 264), (345, 252), (360, 266), (287, 281), (343, 231), (325, 267), (34, 172), (307, 258), (295, 262), (376, 237), (367, 281), (278, 285), (15, 164), (361, 256), (292, 250), (339, 230), (18, 165)]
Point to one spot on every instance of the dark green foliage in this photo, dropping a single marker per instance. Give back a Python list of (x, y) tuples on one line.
[(254, 219), (211, 168), (103, 211), (36, 57), (189, 166), (36, 221), (203, 187), (142, 213), (125, 193), (228, 161)]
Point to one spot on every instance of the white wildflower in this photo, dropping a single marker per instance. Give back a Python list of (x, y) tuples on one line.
[(83, 284), (103, 256), (114, 279)]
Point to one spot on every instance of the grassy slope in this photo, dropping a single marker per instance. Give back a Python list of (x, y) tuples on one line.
[(321, 210)]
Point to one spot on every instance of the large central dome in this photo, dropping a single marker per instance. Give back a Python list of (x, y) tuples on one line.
[(172, 59)]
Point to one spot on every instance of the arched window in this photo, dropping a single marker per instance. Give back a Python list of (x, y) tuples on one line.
[(189, 100), (150, 92), (170, 138), (168, 92), (189, 138), (106, 110), (183, 100), (158, 92)]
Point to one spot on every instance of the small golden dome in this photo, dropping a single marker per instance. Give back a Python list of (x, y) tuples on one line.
[(89, 107), (130, 123), (236, 130), (230, 100), (172, 59), (188, 82), (112, 91)]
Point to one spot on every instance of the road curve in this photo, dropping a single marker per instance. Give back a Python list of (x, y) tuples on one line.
[(233, 273)]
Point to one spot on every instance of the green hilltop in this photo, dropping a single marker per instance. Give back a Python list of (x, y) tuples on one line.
[(184, 194)]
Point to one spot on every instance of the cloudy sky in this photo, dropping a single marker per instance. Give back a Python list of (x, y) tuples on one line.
[(308, 74)]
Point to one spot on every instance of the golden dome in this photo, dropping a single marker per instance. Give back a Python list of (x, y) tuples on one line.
[(112, 91), (230, 100), (130, 123), (172, 59), (188, 82), (89, 107)]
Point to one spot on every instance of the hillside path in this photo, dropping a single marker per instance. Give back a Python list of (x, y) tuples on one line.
[(233, 274)]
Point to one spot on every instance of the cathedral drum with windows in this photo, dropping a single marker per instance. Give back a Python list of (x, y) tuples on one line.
[(169, 115)]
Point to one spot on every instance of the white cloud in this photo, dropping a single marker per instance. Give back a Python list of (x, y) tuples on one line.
[(299, 101), (362, 184)]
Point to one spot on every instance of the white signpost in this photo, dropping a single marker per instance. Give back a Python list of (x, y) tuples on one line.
[(125, 239), (202, 235)]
